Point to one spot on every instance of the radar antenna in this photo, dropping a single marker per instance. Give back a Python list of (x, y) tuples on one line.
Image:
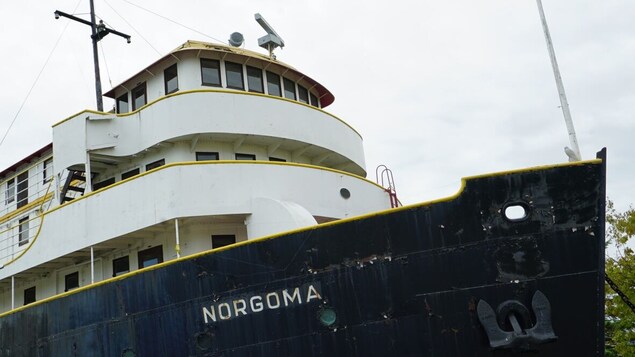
[(271, 40)]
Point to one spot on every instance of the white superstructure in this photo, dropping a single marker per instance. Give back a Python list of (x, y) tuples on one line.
[(208, 146)]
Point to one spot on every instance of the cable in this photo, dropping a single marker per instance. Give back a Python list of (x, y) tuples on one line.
[(166, 18), (103, 54), (133, 28), (36, 80)]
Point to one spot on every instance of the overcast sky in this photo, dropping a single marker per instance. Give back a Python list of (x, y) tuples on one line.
[(438, 89)]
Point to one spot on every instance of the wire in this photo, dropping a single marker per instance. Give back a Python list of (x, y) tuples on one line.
[(37, 78), (103, 54), (166, 18), (133, 28)]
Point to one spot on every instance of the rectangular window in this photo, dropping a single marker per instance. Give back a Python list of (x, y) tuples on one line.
[(120, 266), (206, 156), (314, 100), (234, 73), (303, 94), (139, 98), (154, 165), (23, 189), (221, 240), (273, 84), (10, 192), (210, 72), (29, 295), (47, 170), (150, 256), (129, 174), (240, 156), (254, 80), (71, 281), (171, 79), (104, 183), (23, 231), (122, 103), (277, 159), (289, 89)]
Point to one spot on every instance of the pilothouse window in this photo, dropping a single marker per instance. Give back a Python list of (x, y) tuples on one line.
[(254, 79), (10, 192), (303, 94), (150, 256), (171, 79), (139, 96), (289, 89), (210, 72), (206, 156), (273, 84), (234, 73)]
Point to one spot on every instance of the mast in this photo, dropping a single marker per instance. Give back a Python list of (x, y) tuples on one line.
[(98, 31), (574, 152)]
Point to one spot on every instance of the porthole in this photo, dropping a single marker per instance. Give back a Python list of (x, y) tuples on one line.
[(345, 193), (204, 341), (516, 212), (327, 316), (128, 353)]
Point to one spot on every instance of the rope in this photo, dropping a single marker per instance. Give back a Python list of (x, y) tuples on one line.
[(619, 292)]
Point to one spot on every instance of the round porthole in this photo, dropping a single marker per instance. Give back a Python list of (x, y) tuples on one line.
[(204, 341), (345, 193), (128, 353), (327, 316)]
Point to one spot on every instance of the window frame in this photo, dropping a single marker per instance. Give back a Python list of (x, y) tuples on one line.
[(229, 64), (303, 91), (29, 295), (150, 253), (117, 272), (153, 165), (73, 278), (22, 189), (10, 191), (220, 79), (134, 97), (199, 155), (270, 76), (119, 100), (23, 231), (47, 170), (252, 157), (261, 78), (285, 81), (128, 174), (103, 183), (167, 80), (314, 100), (218, 237)]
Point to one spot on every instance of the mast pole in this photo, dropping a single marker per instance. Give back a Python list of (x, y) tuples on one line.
[(574, 151), (100, 103), (98, 31)]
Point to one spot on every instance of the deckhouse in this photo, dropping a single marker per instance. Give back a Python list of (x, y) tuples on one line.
[(209, 146)]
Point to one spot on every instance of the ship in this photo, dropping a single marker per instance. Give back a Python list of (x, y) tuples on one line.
[(220, 210)]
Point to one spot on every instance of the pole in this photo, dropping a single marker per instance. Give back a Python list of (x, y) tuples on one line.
[(178, 243), (564, 104), (92, 266), (12, 292), (100, 103)]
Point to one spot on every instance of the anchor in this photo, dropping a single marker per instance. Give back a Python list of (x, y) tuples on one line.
[(517, 315)]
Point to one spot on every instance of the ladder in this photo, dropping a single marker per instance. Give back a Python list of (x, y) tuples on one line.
[(384, 178)]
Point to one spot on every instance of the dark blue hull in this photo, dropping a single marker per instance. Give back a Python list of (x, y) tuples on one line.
[(407, 282)]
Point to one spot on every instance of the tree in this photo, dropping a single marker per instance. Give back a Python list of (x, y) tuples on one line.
[(620, 267)]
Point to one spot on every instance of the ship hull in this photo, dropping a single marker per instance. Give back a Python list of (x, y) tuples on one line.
[(405, 282)]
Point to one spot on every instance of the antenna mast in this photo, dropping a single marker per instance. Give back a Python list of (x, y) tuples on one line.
[(271, 40), (99, 31), (574, 152)]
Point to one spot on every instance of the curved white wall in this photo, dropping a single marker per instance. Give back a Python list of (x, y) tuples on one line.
[(206, 111), (195, 189)]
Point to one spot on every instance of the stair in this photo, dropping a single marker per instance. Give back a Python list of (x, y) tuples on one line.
[(75, 182)]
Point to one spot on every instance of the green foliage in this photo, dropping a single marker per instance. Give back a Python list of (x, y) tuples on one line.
[(620, 267)]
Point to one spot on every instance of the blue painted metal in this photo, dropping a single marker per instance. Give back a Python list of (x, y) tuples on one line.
[(406, 283)]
